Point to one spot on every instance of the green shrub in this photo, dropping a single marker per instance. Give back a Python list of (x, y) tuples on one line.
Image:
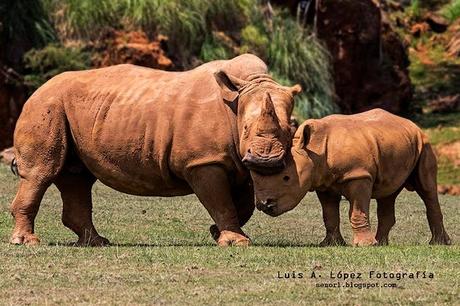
[(297, 56), (293, 54), (214, 49), (452, 10), (254, 40), (43, 64)]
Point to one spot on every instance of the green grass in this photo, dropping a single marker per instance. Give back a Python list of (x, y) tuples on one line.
[(163, 254), (452, 10)]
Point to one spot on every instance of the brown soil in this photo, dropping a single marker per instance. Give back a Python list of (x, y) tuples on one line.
[(118, 47), (451, 151)]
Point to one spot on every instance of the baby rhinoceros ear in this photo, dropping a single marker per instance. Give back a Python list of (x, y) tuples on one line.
[(303, 135), (229, 85)]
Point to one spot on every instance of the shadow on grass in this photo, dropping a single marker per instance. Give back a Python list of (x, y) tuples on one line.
[(280, 244)]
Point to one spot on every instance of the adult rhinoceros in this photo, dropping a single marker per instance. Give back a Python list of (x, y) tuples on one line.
[(151, 133)]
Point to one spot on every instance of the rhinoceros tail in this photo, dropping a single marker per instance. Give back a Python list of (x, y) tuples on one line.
[(14, 167)]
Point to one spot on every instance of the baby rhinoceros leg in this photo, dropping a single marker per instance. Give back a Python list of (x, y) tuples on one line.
[(359, 192), (75, 191), (331, 215), (386, 218)]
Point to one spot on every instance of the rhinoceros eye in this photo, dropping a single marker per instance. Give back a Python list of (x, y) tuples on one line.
[(286, 178)]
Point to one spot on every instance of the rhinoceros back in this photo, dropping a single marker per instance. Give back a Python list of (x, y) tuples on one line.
[(139, 130), (374, 144)]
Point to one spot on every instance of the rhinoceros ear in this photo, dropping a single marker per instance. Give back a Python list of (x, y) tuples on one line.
[(303, 135), (296, 89), (229, 85)]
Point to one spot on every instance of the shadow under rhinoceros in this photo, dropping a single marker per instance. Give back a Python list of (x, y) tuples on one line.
[(278, 244)]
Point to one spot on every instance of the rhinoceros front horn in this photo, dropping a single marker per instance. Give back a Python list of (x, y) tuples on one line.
[(266, 153), (268, 122)]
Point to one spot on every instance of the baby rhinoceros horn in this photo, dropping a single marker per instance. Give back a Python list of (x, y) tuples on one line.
[(268, 122)]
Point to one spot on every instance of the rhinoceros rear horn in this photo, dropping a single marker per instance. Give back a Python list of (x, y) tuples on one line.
[(268, 121), (229, 85)]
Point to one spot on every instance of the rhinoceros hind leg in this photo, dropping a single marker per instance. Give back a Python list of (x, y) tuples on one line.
[(77, 207), (24, 210), (426, 188), (330, 204), (210, 184), (358, 192), (386, 217)]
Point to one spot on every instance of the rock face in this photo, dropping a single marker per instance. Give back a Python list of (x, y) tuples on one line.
[(119, 47), (369, 60)]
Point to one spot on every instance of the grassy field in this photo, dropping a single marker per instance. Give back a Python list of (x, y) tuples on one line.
[(163, 254)]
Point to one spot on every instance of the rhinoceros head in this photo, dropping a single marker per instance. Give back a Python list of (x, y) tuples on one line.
[(264, 108)]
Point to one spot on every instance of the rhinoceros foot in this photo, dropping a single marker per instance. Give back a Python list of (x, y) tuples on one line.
[(229, 238), (443, 239), (96, 241), (26, 239), (333, 241), (364, 239)]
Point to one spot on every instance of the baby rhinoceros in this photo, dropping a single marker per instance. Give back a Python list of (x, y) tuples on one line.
[(371, 155)]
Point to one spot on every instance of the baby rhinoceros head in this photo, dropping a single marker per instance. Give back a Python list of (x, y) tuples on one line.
[(280, 192), (263, 115)]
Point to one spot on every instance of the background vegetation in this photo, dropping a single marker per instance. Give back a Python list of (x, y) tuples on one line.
[(198, 31)]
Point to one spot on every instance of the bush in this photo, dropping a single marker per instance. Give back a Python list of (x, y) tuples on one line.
[(297, 56), (43, 64), (210, 30), (452, 10)]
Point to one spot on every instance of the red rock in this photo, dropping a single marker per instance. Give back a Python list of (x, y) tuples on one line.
[(133, 48)]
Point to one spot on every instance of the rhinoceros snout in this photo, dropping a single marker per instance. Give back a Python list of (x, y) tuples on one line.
[(267, 206)]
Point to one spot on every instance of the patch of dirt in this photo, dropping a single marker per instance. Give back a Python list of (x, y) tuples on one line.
[(451, 151), (449, 189), (118, 47), (6, 156)]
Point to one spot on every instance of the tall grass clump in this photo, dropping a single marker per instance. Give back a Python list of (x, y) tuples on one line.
[(188, 24), (415, 9), (43, 64), (452, 10), (298, 56)]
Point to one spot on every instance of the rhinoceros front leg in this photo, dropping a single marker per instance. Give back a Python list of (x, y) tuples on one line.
[(358, 193), (210, 184), (243, 198), (77, 207), (331, 215)]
